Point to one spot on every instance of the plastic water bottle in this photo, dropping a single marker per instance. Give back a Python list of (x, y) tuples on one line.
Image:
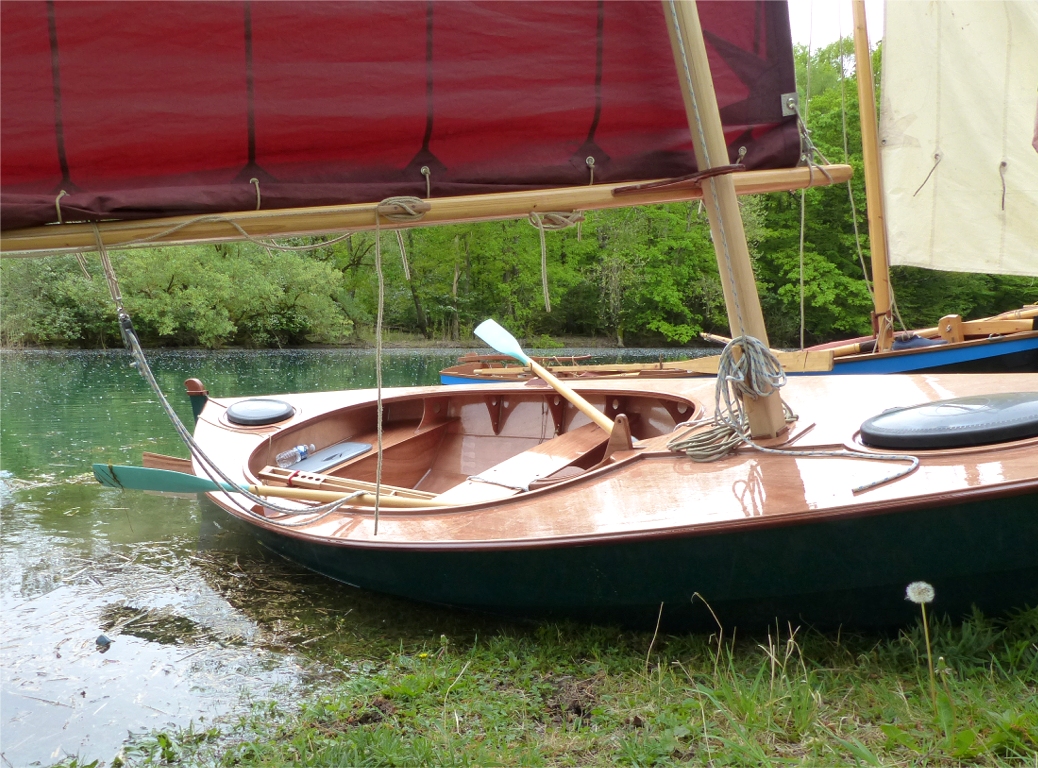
[(292, 456)]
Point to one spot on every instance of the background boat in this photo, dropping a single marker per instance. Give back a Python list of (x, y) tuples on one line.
[(958, 187)]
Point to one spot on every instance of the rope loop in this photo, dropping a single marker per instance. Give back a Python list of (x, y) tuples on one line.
[(754, 373), (259, 200), (389, 209), (553, 221), (57, 204)]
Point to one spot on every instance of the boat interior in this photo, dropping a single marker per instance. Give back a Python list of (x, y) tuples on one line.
[(467, 448)]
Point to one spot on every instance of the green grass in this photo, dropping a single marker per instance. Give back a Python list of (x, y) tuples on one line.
[(571, 695)]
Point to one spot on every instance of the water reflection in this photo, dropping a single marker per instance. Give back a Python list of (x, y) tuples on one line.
[(197, 614)]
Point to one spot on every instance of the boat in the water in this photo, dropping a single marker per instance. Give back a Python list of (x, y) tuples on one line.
[(992, 345), (520, 505), (620, 500)]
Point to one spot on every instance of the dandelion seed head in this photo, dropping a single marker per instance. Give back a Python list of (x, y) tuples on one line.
[(919, 592)]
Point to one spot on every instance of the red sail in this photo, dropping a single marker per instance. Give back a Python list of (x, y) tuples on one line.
[(141, 110)]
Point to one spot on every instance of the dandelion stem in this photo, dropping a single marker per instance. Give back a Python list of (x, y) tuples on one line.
[(929, 658)]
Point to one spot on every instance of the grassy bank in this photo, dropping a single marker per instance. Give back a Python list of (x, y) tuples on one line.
[(569, 695)]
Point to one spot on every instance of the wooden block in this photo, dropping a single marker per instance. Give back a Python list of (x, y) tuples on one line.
[(950, 328)]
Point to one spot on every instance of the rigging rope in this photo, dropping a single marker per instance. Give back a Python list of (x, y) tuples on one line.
[(215, 219), (382, 210), (210, 468), (847, 159), (755, 373), (554, 221)]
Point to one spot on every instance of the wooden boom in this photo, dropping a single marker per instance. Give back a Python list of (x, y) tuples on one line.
[(212, 228)]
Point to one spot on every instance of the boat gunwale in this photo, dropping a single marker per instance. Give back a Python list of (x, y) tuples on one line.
[(951, 345)]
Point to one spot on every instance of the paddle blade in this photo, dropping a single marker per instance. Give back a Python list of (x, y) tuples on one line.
[(501, 340), (145, 479)]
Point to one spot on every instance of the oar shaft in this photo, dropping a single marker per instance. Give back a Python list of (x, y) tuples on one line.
[(579, 402), (366, 500)]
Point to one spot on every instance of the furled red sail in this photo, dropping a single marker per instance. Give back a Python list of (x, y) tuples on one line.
[(129, 110)]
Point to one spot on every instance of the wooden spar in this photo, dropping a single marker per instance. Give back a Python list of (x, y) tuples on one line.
[(578, 402), (733, 256), (798, 361), (213, 228), (882, 321)]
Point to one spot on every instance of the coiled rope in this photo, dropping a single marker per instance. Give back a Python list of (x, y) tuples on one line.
[(756, 372)]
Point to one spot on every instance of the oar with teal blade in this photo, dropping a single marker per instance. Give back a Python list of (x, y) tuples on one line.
[(164, 480), (501, 340)]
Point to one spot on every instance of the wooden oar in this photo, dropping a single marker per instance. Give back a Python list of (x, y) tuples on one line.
[(504, 342), (315, 480), (145, 479)]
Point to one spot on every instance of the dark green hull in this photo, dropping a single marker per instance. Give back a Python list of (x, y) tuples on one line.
[(849, 571)]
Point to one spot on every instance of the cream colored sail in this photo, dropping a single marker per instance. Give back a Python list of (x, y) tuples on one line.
[(957, 125)]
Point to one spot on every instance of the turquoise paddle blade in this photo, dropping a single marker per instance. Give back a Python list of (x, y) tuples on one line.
[(501, 340)]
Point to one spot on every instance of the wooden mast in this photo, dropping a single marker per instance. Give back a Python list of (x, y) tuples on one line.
[(882, 323), (726, 227)]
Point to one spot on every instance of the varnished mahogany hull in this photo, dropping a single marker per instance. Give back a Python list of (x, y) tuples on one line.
[(851, 571), (760, 537)]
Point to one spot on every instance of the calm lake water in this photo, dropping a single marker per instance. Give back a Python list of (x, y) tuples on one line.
[(201, 621)]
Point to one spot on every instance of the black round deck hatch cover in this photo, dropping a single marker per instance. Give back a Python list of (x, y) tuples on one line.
[(259, 411), (955, 423)]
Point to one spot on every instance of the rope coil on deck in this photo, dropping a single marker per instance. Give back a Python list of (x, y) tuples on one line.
[(757, 373)]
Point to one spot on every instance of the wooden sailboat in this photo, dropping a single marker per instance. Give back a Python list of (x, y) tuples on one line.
[(542, 499)]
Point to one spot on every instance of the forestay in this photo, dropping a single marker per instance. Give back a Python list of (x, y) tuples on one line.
[(960, 171)]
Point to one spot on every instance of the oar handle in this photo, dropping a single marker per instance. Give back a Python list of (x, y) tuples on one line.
[(581, 404)]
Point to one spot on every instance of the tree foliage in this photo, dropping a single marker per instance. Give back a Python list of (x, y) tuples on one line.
[(639, 276)]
